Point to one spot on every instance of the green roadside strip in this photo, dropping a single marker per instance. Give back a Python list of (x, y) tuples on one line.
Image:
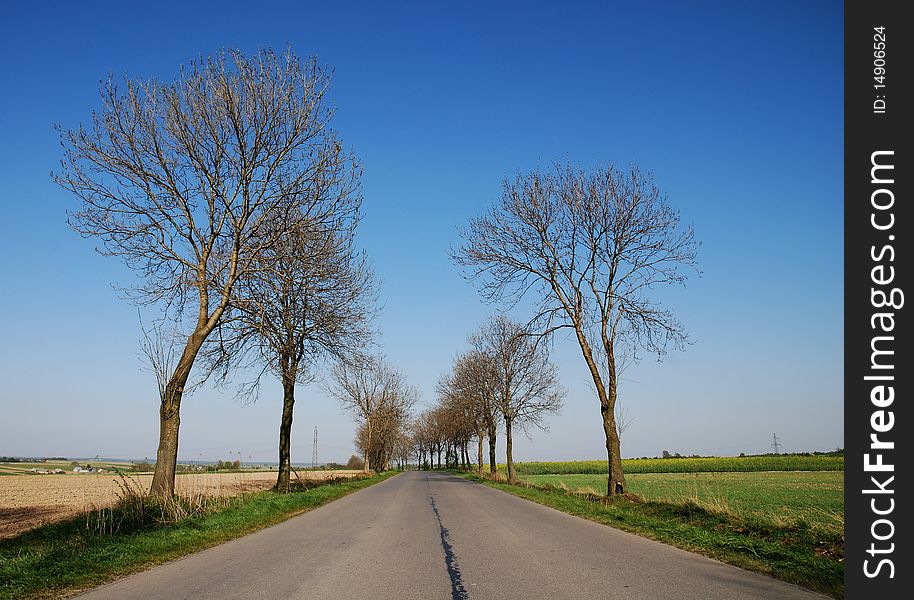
[(797, 553), (60, 559)]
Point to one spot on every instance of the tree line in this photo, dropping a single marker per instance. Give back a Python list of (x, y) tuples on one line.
[(505, 382), (230, 194)]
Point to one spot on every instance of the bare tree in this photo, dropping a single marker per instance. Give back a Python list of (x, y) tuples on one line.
[(589, 248), (526, 383), (423, 439), (403, 445), (310, 298), (160, 353), (472, 386), (374, 393), (180, 180), (458, 418), (379, 441), (430, 436)]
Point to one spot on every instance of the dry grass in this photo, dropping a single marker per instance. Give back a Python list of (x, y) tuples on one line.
[(28, 502)]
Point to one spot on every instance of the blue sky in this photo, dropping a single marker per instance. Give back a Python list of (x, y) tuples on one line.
[(736, 107)]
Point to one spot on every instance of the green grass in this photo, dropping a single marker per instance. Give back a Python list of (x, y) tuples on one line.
[(60, 559), (792, 550), (815, 498), (784, 462)]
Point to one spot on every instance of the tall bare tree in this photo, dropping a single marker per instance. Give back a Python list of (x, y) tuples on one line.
[(526, 383), (589, 247), (309, 299), (180, 180), (374, 393)]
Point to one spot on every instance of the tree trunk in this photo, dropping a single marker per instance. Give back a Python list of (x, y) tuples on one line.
[(285, 434), (615, 481), (365, 465), (509, 448), (163, 478), (479, 436), (492, 464), (616, 477)]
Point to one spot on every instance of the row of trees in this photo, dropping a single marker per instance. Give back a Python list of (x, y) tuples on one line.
[(228, 191), (380, 399), (504, 382), (586, 250)]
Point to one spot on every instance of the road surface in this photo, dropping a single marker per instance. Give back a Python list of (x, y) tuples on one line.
[(433, 535)]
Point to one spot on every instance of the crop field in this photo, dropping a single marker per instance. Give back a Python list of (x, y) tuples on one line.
[(787, 498), (29, 501), (739, 464)]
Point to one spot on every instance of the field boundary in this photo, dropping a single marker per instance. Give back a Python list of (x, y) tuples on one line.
[(688, 464), (62, 559)]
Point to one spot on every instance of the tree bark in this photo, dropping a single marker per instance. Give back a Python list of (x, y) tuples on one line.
[(616, 482), (479, 436), (365, 465), (163, 478), (285, 435), (492, 464), (509, 449)]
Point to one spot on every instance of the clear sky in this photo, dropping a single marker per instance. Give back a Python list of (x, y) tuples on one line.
[(736, 107)]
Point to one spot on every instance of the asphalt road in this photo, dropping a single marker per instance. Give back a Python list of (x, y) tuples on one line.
[(431, 535)]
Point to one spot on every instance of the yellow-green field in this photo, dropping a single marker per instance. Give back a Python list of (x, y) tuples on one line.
[(703, 464), (813, 498)]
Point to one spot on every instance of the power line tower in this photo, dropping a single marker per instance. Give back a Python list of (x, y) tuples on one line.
[(314, 450), (776, 444)]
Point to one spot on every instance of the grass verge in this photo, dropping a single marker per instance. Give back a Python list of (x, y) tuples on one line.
[(60, 559), (794, 553)]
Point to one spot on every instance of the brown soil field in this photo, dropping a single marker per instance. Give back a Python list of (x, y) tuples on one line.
[(27, 502)]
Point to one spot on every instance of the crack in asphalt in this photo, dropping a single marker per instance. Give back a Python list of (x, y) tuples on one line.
[(458, 592)]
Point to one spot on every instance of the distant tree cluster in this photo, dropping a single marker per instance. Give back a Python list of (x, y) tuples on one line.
[(505, 381), (227, 465), (380, 400)]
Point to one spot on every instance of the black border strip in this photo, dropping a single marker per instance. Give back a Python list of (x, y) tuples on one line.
[(876, 262)]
